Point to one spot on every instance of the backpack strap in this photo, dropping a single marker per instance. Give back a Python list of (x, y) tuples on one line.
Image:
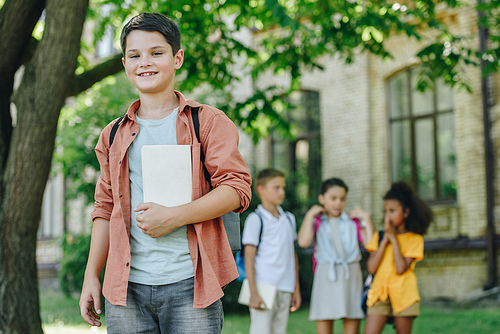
[(113, 130), (196, 124), (261, 227), (380, 236), (287, 215), (359, 228), (317, 222)]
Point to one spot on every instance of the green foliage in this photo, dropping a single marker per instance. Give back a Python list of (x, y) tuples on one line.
[(490, 20), (445, 59), (79, 127), (290, 38), (75, 254)]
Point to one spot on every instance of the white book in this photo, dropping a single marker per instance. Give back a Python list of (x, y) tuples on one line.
[(166, 174), (266, 291)]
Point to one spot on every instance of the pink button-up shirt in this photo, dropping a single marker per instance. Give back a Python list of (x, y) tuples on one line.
[(213, 262)]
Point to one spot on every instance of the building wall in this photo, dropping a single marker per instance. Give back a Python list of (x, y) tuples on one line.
[(345, 128), (355, 147), (451, 274)]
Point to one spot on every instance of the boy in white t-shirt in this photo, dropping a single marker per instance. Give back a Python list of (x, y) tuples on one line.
[(270, 257)]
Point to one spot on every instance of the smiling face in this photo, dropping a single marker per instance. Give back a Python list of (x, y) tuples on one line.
[(149, 62), (395, 214), (333, 200)]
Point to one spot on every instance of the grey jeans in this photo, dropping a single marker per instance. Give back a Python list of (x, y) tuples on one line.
[(164, 309)]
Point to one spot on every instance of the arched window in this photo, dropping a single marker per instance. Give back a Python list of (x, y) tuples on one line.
[(422, 136)]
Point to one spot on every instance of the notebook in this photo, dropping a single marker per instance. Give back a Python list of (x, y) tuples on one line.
[(166, 174), (266, 291)]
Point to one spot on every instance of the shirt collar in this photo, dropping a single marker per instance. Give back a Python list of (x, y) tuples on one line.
[(183, 103), (268, 215), (344, 217)]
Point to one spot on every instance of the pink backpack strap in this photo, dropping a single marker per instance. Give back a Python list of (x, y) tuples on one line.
[(317, 222), (359, 228)]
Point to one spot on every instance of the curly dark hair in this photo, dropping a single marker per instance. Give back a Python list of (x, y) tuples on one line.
[(420, 214)]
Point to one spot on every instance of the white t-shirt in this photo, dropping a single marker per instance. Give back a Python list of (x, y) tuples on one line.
[(164, 260), (275, 258)]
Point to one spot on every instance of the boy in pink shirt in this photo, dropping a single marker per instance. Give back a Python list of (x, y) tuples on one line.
[(189, 302)]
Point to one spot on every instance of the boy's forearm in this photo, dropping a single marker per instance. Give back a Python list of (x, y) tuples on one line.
[(158, 220), (99, 246), (216, 203), (250, 252)]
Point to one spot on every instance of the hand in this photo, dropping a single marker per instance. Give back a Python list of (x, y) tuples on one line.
[(390, 231), (90, 302), (316, 210), (296, 301), (359, 214), (156, 220), (257, 302)]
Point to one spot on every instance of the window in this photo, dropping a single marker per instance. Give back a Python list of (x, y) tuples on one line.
[(422, 136), (301, 158)]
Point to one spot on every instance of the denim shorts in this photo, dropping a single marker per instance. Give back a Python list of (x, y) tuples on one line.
[(163, 309)]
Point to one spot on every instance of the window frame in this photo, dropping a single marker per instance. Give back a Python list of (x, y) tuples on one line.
[(433, 115)]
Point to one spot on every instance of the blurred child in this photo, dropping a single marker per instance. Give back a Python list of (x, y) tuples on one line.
[(338, 280), (394, 291), (270, 257)]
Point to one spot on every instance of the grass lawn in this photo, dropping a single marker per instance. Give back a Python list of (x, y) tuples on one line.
[(61, 315)]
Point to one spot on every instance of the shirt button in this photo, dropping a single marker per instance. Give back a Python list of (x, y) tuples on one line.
[(133, 134), (127, 264)]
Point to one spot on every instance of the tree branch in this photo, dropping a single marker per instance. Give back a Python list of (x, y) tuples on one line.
[(87, 79)]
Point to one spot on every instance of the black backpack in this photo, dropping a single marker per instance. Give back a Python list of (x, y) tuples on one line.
[(231, 220)]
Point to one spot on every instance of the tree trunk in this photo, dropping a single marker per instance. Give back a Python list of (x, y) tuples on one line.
[(38, 100), (17, 20)]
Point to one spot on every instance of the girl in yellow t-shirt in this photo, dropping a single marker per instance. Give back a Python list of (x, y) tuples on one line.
[(394, 291)]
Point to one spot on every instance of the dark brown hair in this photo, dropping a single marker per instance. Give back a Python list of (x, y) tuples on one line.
[(333, 182), (153, 22), (267, 174)]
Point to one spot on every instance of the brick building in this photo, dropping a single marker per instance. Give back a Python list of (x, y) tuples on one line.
[(366, 123)]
